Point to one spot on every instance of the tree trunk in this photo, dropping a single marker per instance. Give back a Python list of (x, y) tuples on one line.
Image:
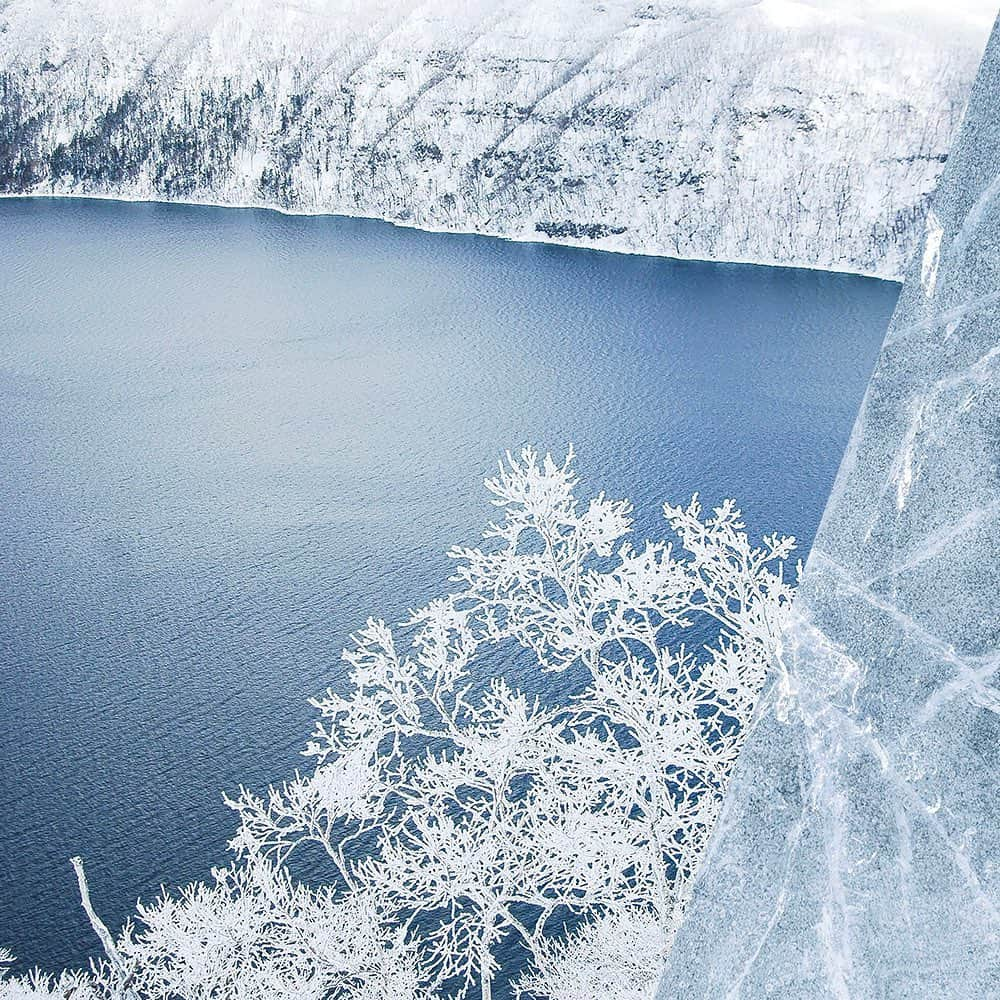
[(485, 977)]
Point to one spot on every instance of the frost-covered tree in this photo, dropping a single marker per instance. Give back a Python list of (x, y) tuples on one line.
[(251, 934), (479, 813), (616, 957), (461, 812)]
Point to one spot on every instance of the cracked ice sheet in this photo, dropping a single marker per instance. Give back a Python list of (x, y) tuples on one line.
[(858, 852)]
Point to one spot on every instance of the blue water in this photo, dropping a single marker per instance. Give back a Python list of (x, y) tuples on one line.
[(230, 436)]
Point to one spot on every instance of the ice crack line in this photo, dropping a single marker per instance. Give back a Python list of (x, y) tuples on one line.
[(973, 674)]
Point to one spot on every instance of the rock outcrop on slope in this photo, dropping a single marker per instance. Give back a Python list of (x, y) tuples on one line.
[(856, 855), (774, 131)]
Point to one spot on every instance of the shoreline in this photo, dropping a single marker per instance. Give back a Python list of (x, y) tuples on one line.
[(538, 238)]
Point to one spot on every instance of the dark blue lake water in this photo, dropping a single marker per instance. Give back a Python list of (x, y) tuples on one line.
[(230, 436)]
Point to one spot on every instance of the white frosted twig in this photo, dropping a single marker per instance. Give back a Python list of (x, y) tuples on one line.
[(100, 928)]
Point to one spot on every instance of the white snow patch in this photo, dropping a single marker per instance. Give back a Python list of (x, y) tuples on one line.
[(787, 13), (932, 254)]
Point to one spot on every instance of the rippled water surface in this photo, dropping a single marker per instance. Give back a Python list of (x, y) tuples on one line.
[(230, 436)]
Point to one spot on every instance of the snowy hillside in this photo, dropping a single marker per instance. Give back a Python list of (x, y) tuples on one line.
[(773, 131)]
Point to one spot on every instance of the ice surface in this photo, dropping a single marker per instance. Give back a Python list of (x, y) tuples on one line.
[(858, 854)]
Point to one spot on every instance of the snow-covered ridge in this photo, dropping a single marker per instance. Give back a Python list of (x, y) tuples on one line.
[(776, 132)]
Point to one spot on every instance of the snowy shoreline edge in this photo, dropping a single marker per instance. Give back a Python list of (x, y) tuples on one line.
[(529, 237)]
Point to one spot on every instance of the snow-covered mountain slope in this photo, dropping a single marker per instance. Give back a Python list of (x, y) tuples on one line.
[(774, 131)]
